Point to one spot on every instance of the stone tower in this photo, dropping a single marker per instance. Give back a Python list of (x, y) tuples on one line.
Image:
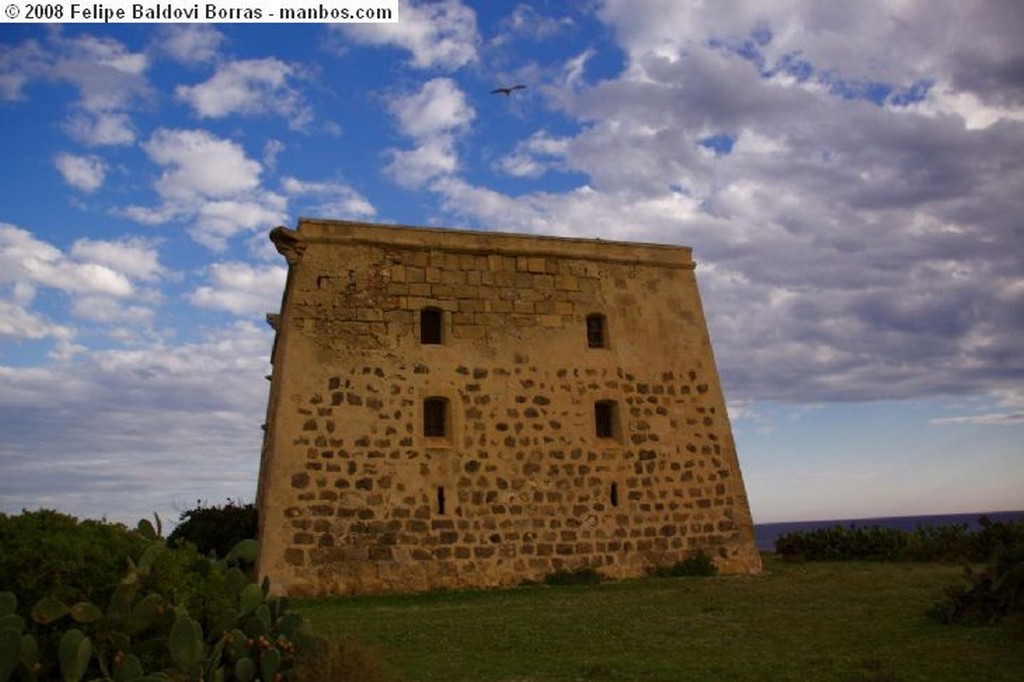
[(471, 409)]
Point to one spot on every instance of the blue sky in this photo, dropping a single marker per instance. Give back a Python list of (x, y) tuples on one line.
[(849, 176)]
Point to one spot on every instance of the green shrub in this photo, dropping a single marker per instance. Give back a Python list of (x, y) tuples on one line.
[(216, 529), (927, 543), (49, 553), (699, 565), (843, 544), (174, 615), (992, 594), (580, 576), (994, 537)]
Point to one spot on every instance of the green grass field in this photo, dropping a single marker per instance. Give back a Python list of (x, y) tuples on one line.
[(813, 621)]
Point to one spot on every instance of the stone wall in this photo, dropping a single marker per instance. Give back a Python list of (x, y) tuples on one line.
[(355, 497)]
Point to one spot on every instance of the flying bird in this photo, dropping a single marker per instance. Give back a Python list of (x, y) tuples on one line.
[(507, 91)]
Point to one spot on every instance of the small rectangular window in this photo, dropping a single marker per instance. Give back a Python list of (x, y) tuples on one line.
[(440, 499), (596, 331), (435, 417), (430, 326), (604, 419)]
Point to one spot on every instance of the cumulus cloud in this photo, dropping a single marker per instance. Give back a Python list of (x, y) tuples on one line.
[(25, 259), (106, 282), (109, 78), (533, 157), (334, 199), (16, 322), (18, 65), (433, 116), (413, 168), (198, 164), (189, 43), (137, 417), (438, 107), (241, 289), (82, 172), (526, 22), (218, 221), (439, 34), (133, 256), (916, 49), (254, 86), (849, 246), (209, 181)]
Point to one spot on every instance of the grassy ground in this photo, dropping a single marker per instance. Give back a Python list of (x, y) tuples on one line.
[(813, 621)]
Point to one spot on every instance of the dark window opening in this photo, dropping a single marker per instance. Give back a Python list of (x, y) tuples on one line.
[(430, 326), (615, 495), (604, 419), (440, 499), (596, 331), (435, 417)]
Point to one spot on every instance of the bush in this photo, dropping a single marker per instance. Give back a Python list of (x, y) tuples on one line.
[(843, 544), (49, 553), (699, 565), (581, 576), (993, 594), (939, 543), (174, 615), (216, 529)]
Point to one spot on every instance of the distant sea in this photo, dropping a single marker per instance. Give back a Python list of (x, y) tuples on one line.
[(766, 533)]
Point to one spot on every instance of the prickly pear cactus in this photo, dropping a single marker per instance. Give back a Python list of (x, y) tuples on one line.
[(145, 635)]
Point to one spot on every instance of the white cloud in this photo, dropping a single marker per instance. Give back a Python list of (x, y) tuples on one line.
[(18, 323), (109, 78), (82, 172), (212, 183), (18, 65), (109, 310), (200, 165), (133, 419), (943, 99), (254, 86), (526, 22), (534, 156), (133, 256), (333, 199), (149, 215), (433, 158), (839, 48), (242, 289), (439, 106), (111, 54), (217, 221), (101, 128), (439, 34), (1010, 406), (271, 150), (189, 43), (433, 116), (998, 419), (25, 258), (846, 250), (100, 279)]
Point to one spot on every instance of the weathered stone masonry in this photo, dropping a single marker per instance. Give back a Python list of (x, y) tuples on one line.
[(515, 437)]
